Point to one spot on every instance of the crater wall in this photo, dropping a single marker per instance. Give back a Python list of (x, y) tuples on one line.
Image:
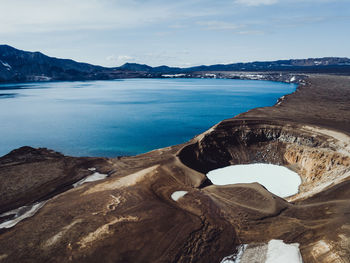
[(319, 156)]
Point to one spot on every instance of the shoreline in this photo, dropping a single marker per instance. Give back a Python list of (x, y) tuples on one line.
[(277, 76)]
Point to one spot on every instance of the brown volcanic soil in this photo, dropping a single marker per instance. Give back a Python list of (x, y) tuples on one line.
[(130, 216), (324, 101), (28, 175)]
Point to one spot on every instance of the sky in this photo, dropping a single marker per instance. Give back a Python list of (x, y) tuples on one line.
[(177, 32)]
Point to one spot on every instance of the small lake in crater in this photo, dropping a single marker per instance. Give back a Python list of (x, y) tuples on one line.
[(123, 117), (278, 180)]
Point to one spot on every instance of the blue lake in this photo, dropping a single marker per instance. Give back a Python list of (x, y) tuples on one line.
[(123, 117)]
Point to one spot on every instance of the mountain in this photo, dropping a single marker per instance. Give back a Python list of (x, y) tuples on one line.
[(23, 66), (17, 66), (327, 64), (149, 69)]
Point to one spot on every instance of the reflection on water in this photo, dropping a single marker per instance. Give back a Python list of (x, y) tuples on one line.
[(7, 95)]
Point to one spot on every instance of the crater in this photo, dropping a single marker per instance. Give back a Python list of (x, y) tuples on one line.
[(321, 157)]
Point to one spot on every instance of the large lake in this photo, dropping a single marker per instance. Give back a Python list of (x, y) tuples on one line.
[(123, 117)]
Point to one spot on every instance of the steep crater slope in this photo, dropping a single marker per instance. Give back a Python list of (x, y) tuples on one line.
[(321, 157)]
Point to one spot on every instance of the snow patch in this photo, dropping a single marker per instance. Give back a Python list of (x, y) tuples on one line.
[(278, 252), (173, 75), (235, 258), (91, 178), (178, 194), (210, 75), (277, 179), (253, 76), (6, 65), (40, 78), (20, 214), (280, 100)]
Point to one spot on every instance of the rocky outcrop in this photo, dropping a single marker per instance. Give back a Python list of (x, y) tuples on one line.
[(28, 175)]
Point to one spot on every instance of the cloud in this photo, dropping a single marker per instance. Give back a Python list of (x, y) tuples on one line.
[(67, 15), (114, 60), (239, 29), (219, 25), (256, 2), (252, 32), (178, 26)]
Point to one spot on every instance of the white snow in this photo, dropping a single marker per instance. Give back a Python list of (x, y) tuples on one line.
[(6, 65), (253, 76), (41, 78), (92, 169), (91, 178), (178, 194), (20, 214), (235, 258), (210, 75), (277, 179), (23, 212), (173, 75), (280, 100), (278, 252)]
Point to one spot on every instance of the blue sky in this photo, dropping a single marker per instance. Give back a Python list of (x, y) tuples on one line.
[(177, 32)]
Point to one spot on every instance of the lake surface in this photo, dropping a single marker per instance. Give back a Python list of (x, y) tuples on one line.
[(278, 180), (123, 117)]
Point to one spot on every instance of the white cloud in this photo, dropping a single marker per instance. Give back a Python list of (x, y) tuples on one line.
[(239, 29), (62, 15), (251, 32), (219, 25), (256, 2), (178, 26), (114, 60)]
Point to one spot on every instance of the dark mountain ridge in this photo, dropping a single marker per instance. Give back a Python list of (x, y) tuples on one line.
[(302, 65), (23, 66)]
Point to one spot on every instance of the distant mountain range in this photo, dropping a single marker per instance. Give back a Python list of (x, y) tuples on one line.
[(23, 66)]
